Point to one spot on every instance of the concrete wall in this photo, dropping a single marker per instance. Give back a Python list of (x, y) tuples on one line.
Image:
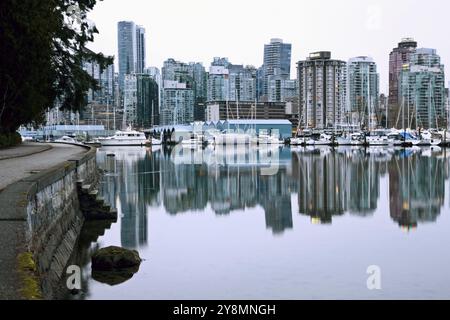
[(47, 210)]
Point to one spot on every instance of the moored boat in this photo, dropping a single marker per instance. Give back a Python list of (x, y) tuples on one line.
[(126, 138)]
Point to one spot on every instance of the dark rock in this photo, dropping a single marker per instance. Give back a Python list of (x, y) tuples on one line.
[(115, 277), (114, 258)]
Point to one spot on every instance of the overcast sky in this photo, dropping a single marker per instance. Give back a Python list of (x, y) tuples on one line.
[(198, 30)]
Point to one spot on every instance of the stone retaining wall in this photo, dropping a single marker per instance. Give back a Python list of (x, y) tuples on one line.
[(48, 202)]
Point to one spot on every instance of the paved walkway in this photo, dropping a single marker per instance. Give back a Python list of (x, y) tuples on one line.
[(16, 164), (25, 149), (31, 158)]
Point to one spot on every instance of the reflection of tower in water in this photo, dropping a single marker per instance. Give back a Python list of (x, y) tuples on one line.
[(234, 183), (417, 188), (333, 182), (363, 183), (131, 184), (322, 192)]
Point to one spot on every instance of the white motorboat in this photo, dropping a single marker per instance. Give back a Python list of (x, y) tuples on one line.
[(296, 141), (268, 139), (324, 140), (357, 139), (354, 139), (376, 141), (68, 140), (343, 141), (125, 138)]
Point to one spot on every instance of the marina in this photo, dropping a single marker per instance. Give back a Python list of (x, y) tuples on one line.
[(241, 223)]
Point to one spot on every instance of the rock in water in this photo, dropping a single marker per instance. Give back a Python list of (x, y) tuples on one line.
[(116, 276), (114, 258)]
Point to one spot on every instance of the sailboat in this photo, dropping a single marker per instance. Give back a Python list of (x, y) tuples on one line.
[(427, 138), (229, 137)]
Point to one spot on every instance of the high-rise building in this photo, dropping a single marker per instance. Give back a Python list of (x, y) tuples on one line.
[(200, 78), (140, 49), (277, 60), (218, 83), (140, 101), (177, 71), (229, 82), (242, 83), (178, 103), (186, 82), (155, 74), (127, 49), (322, 86), (100, 102), (129, 100), (422, 92), (398, 58), (363, 91), (105, 79), (281, 89)]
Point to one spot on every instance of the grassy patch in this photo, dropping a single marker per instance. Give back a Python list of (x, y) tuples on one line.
[(30, 286)]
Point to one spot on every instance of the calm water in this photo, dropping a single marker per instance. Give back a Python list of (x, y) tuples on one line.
[(277, 223)]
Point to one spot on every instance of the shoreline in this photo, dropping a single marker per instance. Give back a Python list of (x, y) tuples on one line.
[(40, 221)]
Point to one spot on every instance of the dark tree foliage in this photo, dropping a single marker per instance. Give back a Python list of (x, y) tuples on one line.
[(42, 46)]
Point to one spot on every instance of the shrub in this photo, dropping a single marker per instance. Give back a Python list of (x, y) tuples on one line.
[(10, 139)]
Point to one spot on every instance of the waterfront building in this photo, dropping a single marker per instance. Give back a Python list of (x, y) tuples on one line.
[(105, 79), (140, 101), (155, 74), (200, 79), (282, 128), (398, 58), (101, 103), (277, 61), (242, 83), (422, 91), (130, 100), (322, 85), (218, 83), (127, 49), (178, 103), (177, 71), (223, 110), (188, 79), (363, 92), (281, 89), (228, 82)]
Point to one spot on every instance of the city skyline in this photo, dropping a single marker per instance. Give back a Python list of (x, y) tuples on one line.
[(372, 29)]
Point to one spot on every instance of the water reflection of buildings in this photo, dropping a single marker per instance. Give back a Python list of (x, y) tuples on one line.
[(228, 181), (417, 188), (363, 174), (131, 185), (328, 184), (332, 183)]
